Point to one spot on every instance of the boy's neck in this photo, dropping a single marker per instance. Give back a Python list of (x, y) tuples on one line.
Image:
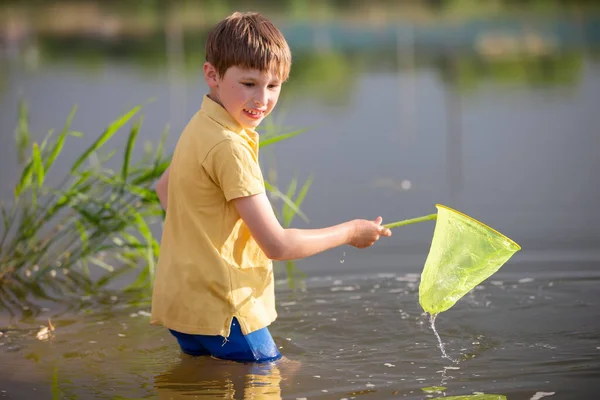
[(213, 96)]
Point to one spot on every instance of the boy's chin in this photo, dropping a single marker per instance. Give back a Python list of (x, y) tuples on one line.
[(251, 124)]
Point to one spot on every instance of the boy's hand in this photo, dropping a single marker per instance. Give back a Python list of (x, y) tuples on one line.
[(365, 233)]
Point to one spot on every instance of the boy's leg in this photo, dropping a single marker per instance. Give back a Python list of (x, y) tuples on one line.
[(260, 343), (257, 346), (190, 344)]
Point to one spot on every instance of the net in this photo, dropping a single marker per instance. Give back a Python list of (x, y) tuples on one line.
[(463, 253)]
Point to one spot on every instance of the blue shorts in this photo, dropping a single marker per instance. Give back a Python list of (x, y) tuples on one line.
[(257, 346)]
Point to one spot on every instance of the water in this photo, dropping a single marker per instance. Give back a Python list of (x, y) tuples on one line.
[(437, 335), (346, 336), (393, 129)]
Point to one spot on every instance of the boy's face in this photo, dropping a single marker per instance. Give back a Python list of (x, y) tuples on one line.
[(248, 95)]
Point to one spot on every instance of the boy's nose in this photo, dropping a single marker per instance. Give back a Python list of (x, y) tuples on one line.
[(261, 99)]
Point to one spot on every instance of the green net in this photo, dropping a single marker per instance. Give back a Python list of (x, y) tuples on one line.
[(463, 253)]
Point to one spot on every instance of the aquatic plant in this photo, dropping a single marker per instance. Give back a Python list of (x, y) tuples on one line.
[(291, 203), (77, 237)]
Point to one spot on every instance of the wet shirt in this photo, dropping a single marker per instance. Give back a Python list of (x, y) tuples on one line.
[(210, 267)]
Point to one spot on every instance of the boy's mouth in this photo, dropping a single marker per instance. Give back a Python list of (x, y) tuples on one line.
[(254, 114)]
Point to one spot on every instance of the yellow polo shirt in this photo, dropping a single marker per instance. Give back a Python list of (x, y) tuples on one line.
[(210, 267)]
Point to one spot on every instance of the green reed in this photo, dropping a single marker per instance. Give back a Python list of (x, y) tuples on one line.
[(78, 236)]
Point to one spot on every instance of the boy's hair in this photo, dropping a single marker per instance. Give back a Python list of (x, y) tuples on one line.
[(248, 40)]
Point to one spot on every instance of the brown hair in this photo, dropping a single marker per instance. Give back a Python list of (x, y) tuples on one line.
[(248, 40)]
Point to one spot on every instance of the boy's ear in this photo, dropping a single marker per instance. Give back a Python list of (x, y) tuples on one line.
[(211, 76)]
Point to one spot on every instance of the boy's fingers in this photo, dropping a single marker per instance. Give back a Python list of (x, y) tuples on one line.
[(385, 231), (378, 220)]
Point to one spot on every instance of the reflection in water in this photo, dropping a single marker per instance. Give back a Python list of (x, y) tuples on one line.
[(207, 376)]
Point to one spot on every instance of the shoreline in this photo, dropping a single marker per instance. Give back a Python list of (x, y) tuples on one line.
[(92, 18)]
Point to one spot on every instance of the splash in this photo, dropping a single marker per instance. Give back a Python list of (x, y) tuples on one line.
[(343, 258), (437, 335)]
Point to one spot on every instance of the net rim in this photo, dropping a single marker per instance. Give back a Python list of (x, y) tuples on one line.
[(480, 223)]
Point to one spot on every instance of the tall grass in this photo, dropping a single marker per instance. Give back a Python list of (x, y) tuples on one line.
[(286, 205), (94, 226), (95, 216)]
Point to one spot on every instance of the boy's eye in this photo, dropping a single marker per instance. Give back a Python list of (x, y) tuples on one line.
[(273, 86), (248, 84)]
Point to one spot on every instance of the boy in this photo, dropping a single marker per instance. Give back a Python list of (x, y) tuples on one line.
[(214, 287)]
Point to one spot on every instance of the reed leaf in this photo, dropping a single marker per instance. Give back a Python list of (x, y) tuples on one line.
[(25, 180), (293, 274), (130, 239), (60, 142), (301, 196), (277, 193), (83, 235), (288, 213), (102, 264), (38, 165), (279, 138), (87, 215), (141, 281), (22, 134), (46, 139), (130, 143), (34, 198), (152, 174), (151, 249), (160, 148), (108, 133), (5, 217), (113, 274)]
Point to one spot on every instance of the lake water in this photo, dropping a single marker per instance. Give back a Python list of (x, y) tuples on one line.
[(347, 336), (511, 141)]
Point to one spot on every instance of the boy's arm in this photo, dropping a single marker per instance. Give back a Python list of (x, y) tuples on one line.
[(288, 244), (162, 188)]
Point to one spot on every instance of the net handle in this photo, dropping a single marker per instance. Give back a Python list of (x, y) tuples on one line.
[(393, 225)]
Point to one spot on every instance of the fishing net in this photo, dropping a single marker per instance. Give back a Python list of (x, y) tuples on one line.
[(463, 253)]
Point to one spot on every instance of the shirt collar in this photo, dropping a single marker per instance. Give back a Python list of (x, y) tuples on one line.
[(221, 116)]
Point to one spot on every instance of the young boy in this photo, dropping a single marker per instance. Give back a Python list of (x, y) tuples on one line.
[(214, 287)]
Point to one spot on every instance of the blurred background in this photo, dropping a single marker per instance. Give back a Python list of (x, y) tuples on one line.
[(490, 107)]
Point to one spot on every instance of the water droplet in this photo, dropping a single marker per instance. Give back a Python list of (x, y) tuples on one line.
[(437, 335), (343, 258)]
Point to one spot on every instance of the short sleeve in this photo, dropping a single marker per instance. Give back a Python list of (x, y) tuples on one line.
[(232, 166)]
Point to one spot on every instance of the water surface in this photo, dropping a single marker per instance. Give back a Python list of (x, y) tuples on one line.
[(346, 336)]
